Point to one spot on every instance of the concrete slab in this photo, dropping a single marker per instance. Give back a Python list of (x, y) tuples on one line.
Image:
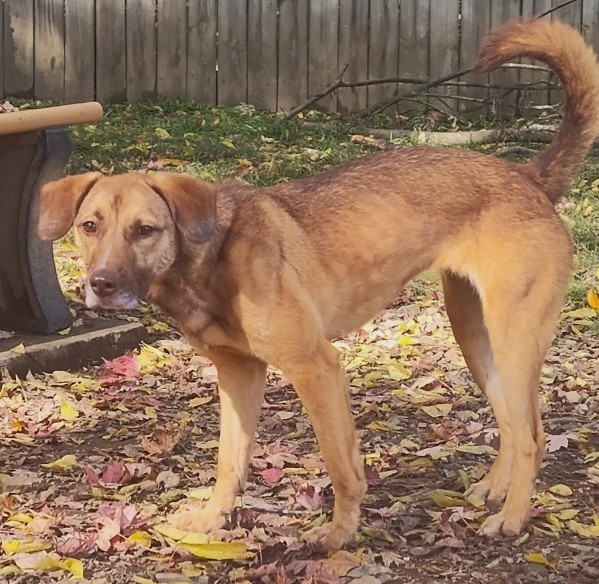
[(83, 345)]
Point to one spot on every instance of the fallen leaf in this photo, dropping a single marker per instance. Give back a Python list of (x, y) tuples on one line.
[(63, 463)]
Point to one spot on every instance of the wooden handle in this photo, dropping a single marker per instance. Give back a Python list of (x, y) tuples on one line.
[(40, 119)]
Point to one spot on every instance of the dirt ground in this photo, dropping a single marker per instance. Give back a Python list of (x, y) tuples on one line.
[(92, 462)]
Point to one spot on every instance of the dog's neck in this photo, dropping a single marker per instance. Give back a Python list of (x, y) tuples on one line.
[(195, 292)]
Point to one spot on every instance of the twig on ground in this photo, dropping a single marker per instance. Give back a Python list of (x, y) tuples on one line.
[(519, 150)]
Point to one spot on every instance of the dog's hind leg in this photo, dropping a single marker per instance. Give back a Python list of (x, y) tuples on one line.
[(241, 383), (464, 309), (520, 314)]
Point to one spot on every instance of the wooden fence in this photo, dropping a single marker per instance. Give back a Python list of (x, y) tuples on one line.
[(269, 53)]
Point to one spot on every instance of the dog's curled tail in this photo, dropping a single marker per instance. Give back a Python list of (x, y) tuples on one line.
[(564, 50)]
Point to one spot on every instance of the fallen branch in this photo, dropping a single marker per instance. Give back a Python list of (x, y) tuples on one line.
[(534, 133)]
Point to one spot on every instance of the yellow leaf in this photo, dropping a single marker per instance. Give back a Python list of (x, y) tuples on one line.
[(170, 531), (162, 133), (583, 530), (10, 546), (21, 518), (593, 299), (13, 546), (142, 538), (399, 372), (561, 490), (74, 566), (10, 571), (443, 499), (194, 538), (553, 520), (580, 313), (19, 349), (437, 410), (567, 514), (200, 401), (67, 461), (68, 412), (378, 426), (476, 449), (217, 550), (381, 534), (201, 493), (140, 580), (192, 571), (170, 161), (538, 558), (228, 143), (48, 563)]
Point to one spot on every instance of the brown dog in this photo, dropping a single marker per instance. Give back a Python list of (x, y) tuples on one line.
[(256, 276)]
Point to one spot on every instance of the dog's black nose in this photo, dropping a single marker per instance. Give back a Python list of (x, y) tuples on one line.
[(103, 283)]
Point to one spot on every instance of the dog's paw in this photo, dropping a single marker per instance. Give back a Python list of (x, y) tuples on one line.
[(330, 537), (492, 492), (502, 523), (193, 517)]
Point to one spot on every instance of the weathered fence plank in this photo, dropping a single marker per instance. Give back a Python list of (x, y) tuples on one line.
[(271, 53), (18, 48), (171, 79), (503, 11), (293, 53), (353, 32), (445, 45), (262, 54), (538, 93), (141, 49), (2, 46), (590, 22), (79, 51), (475, 24), (201, 48), (232, 52), (572, 14), (111, 72), (49, 62), (383, 53), (323, 68), (413, 46)]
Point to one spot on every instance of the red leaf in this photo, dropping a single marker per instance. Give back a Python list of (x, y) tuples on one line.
[(115, 472), (126, 365), (91, 476), (309, 497), (272, 475)]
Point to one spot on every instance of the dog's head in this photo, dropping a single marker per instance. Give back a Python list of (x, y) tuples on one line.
[(128, 228)]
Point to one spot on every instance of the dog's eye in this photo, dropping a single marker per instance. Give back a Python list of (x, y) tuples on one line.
[(145, 230), (89, 227)]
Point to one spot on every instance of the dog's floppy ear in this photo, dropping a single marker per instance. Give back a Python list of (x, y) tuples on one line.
[(60, 201), (192, 203)]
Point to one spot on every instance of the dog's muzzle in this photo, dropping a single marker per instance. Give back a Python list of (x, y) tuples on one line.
[(105, 289)]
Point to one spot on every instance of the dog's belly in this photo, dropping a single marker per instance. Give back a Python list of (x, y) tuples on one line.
[(354, 305)]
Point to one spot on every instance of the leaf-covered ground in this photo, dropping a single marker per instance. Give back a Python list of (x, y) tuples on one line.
[(93, 461)]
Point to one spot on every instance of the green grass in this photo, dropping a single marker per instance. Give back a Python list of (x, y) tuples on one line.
[(214, 143)]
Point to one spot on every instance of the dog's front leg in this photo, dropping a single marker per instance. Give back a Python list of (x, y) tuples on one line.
[(321, 385), (241, 383)]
